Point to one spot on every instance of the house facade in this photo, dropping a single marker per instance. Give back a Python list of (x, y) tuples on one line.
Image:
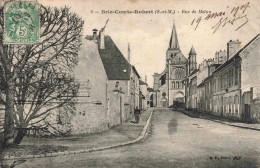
[(145, 95), (229, 85)]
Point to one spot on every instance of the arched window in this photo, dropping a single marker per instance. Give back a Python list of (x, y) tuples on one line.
[(173, 85), (177, 85)]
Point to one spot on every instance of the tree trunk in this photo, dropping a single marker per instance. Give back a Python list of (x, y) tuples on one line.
[(18, 139), (9, 117)]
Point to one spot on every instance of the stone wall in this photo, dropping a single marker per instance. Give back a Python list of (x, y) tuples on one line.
[(89, 118), (255, 112), (119, 101)]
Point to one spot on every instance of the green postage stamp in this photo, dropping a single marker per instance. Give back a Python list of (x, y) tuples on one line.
[(22, 23)]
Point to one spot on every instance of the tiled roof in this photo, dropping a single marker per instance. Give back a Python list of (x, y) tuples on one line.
[(115, 64), (201, 84), (193, 72), (150, 89), (136, 71), (142, 83)]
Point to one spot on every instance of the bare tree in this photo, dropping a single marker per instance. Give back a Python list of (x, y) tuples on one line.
[(37, 78)]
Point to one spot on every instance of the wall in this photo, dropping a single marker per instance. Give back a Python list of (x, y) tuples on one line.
[(250, 79), (202, 74), (255, 113), (250, 68), (160, 97), (201, 98), (117, 109), (227, 97), (92, 101), (145, 93)]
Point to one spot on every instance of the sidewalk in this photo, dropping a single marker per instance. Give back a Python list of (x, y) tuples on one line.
[(123, 134), (220, 120)]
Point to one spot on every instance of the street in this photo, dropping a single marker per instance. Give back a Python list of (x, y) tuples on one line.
[(173, 140)]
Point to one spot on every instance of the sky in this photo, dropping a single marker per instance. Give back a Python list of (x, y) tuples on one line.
[(149, 34)]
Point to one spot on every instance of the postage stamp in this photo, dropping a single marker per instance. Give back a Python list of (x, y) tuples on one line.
[(21, 20)]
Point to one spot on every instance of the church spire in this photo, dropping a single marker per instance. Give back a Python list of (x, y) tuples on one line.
[(174, 44), (192, 51)]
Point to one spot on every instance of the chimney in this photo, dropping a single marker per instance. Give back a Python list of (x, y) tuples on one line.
[(129, 54), (102, 39), (102, 36), (232, 48), (216, 58), (95, 34)]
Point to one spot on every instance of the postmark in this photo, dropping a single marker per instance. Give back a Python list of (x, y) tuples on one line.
[(21, 20)]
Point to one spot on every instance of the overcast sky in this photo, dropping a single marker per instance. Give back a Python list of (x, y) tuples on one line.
[(149, 34)]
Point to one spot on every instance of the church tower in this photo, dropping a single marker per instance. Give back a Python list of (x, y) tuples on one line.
[(176, 69), (174, 47), (192, 60), (168, 85)]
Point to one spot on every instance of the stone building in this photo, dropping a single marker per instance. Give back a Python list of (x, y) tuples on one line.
[(191, 80), (236, 82), (109, 85), (168, 85), (144, 93), (230, 87), (220, 57)]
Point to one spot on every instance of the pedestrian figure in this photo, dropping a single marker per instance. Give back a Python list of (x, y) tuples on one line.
[(137, 114)]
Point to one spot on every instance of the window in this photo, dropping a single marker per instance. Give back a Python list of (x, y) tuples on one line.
[(177, 85), (231, 77), (230, 104), (236, 103), (181, 85), (173, 85), (221, 82), (225, 81), (236, 75)]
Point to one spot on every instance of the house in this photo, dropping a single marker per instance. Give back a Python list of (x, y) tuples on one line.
[(236, 82), (109, 85), (145, 95)]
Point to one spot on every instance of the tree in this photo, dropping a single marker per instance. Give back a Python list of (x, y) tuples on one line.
[(38, 79)]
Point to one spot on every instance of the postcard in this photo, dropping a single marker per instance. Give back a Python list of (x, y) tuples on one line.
[(129, 83)]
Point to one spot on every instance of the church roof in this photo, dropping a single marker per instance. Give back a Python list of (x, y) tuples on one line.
[(115, 64), (174, 44), (192, 51)]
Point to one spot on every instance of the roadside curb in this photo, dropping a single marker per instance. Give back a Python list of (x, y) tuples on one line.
[(53, 154), (222, 122), (233, 125)]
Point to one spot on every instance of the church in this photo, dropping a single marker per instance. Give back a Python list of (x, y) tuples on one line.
[(168, 85)]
